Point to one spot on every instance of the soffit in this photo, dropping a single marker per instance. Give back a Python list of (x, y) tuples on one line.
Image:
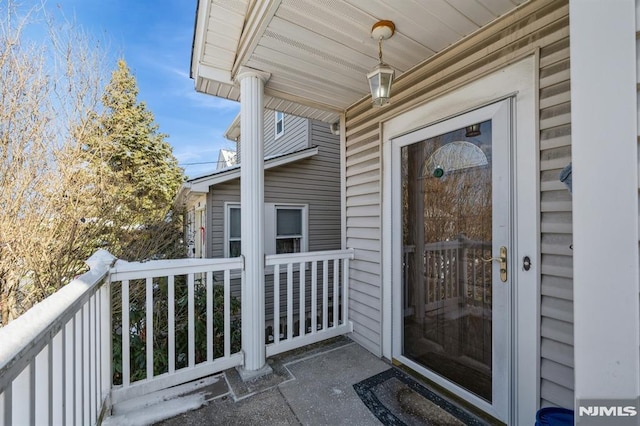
[(318, 52)]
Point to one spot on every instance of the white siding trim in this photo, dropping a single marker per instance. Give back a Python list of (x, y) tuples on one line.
[(516, 79), (343, 181), (605, 223)]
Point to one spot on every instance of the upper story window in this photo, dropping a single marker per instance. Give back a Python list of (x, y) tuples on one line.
[(279, 124)]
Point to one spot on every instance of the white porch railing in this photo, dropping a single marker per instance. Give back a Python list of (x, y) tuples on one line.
[(55, 359), (156, 283), (315, 288), (452, 272), (125, 329)]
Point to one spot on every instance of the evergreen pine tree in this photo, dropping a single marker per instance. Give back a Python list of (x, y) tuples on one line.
[(139, 174)]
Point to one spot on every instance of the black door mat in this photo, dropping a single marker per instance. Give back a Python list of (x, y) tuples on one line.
[(397, 399)]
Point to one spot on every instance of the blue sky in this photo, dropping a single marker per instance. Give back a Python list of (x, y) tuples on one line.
[(155, 38)]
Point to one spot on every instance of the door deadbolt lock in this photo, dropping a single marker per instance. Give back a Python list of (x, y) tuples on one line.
[(526, 263), (503, 263)]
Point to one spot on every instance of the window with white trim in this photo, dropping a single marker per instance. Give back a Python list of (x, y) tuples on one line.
[(289, 233), (285, 230), (279, 124), (232, 221)]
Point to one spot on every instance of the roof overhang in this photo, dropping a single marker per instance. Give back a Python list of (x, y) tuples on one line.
[(202, 184), (233, 131), (187, 194), (318, 53)]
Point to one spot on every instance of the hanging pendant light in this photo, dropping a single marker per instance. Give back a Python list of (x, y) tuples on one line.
[(381, 77)]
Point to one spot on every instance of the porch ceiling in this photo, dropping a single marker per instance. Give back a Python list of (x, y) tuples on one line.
[(318, 52)]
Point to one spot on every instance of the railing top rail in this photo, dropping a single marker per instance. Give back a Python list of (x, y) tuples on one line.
[(123, 270), (23, 338), (310, 256)]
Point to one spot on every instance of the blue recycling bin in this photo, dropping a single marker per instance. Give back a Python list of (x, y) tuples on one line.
[(554, 416)]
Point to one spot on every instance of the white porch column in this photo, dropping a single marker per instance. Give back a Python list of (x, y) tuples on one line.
[(252, 219), (605, 200)]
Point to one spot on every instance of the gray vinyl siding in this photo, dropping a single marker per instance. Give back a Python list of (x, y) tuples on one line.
[(539, 26), (556, 280), (314, 182), (296, 135)]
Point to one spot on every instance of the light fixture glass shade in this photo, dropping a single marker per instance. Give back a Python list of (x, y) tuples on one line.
[(380, 80)]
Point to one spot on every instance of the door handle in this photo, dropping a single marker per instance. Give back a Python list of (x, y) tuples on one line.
[(503, 263)]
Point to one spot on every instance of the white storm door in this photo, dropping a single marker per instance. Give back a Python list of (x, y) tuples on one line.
[(452, 220)]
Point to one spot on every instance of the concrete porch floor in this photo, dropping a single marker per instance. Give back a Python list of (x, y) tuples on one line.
[(310, 386)]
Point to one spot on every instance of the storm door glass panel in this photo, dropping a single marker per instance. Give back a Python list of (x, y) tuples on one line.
[(447, 232)]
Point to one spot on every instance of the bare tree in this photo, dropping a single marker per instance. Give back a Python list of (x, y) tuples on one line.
[(58, 203), (49, 90)]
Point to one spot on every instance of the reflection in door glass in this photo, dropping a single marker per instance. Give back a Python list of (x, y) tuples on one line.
[(446, 223)]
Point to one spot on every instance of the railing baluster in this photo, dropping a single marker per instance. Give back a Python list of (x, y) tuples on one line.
[(6, 406), (97, 353), (276, 303), (126, 326), (22, 398), (314, 297), (336, 297), (191, 323), (85, 362), (57, 378), (210, 316), (92, 359), (50, 388), (44, 385), (171, 320), (69, 361), (106, 352), (227, 313), (149, 326), (302, 310), (289, 301), (325, 294), (345, 290), (77, 368)]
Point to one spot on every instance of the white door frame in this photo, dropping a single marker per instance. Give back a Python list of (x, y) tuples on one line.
[(518, 80)]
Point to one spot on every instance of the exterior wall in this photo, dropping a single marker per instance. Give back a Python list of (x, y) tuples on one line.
[(556, 280), (538, 27), (314, 181), (638, 83), (296, 135)]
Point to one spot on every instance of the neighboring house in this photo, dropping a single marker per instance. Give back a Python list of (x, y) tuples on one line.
[(302, 190), (195, 204), (556, 319), (226, 158), (301, 198), (195, 208)]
